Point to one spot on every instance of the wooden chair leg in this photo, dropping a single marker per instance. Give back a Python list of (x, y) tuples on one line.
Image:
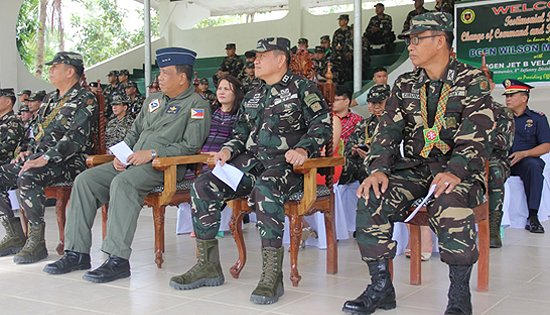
[(390, 268), (104, 216), (235, 225), (61, 201), (415, 245), (483, 261), (295, 238), (158, 219), (332, 248)]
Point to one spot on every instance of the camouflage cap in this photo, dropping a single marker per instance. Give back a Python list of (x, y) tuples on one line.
[(120, 99), (431, 21), (93, 84), (7, 92), (319, 49), (273, 43), (325, 38), (249, 65), (113, 72), (250, 54), (344, 17), (24, 108), (131, 84), (69, 58), (379, 4), (378, 93), (124, 72), (27, 92), (37, 96), (303, 40), (230, 46), (203, 81)]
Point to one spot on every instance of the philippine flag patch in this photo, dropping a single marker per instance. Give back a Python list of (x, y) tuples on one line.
[(197, 113)]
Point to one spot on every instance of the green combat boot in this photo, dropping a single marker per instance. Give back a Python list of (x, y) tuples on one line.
[(14, 239), (495, 218), (207, 272), (35, 246), (270, 288)]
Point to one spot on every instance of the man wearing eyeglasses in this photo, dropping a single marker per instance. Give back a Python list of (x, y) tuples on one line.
[(441, 113)]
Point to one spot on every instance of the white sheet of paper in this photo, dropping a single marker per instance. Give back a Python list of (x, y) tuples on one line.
[(228, 174), (13, 199), (430, 193), (121, 151)]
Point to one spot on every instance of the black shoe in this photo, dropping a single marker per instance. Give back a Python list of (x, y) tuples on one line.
[(112, 269), (533, 225), (71, 261)]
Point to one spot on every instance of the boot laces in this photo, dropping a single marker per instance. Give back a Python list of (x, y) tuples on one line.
[(270, 271)]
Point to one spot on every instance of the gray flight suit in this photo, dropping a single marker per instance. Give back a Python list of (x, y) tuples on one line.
[(172, 127)]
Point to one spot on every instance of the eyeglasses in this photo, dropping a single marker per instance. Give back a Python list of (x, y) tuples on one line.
[(416, 40)]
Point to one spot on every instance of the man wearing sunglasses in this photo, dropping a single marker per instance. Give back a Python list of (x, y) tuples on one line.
[(441, 113)]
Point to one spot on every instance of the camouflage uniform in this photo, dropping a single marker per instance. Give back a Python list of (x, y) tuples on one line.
[(135, 106), (289, 114), (250, 83), (62, 135), (116, 129), (11, 133), (466, 120), (410, 16), (447, 6), (354, 168), (384, 34), (108, 93), (233, 65), (500, 142), (342, 54)]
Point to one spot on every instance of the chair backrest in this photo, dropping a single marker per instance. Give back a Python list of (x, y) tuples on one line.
[(99, 123)]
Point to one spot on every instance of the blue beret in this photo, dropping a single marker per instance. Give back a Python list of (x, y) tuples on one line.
[(172, 56)]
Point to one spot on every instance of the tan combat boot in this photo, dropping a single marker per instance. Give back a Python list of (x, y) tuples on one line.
[(35, 246), (207, 272), (14, 239)]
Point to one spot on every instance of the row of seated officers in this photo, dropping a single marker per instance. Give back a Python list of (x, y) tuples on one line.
[(442, 112)]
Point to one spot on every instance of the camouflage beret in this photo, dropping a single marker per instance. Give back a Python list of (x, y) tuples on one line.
[(431, 21), (378, 93), (69, 58), (37, 96), (131, 84), (124, 72), (7, 92), (273, 43), (120, 99), (27, 92)]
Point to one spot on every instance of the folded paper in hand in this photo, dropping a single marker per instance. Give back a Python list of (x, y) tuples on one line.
[(228, 174), (121, 151), (422, 204)]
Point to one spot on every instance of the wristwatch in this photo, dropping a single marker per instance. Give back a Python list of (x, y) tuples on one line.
[(46, 158), (153, 154)]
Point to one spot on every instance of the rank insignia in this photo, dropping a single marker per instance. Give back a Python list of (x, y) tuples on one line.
[(173, 109), (197, 113), (450, 122), (154, 105), (529, 123)]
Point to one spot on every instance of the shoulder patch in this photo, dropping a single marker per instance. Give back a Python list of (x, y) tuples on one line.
[(311, 99), (197, 113)]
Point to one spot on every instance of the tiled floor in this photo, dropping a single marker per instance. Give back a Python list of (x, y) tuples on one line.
[(519, 284)]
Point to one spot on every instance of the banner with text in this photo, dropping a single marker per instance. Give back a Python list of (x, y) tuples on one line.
[(514, 35)]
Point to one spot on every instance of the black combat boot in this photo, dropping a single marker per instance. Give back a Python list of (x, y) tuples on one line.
[(270, 288), (71, 261), (112, 269), (35, 246), (379, 294), (207, 272), (459, 291), (495, 218), (14, 239)]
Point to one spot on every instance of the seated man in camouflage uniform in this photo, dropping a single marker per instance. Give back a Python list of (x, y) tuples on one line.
[(379, 30), (11, 127), (122, 122), (56, 153), (441, 111), (282, 122), (172, 123)]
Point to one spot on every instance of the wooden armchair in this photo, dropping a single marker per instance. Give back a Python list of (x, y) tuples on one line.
[(61, 192), (481, 214), (171, 193), (314, 198)]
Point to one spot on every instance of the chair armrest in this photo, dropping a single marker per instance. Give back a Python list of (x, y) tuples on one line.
[(320, 162), (163, 163), (95, 160)]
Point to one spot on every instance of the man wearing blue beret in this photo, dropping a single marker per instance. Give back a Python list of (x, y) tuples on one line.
[(531, 140), (172, 122)]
